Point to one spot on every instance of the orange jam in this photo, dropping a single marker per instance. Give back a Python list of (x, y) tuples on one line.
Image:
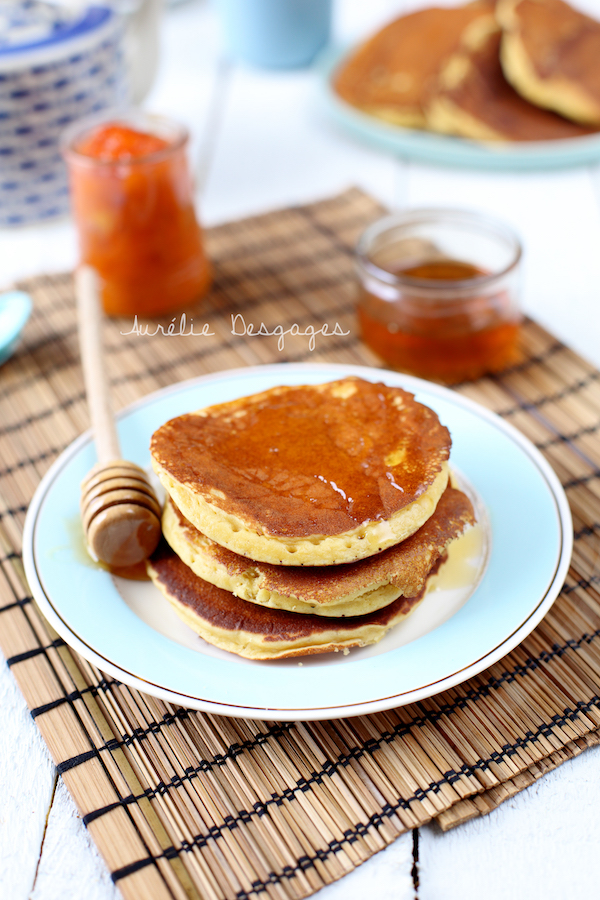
[(450, 335), (133, 203)]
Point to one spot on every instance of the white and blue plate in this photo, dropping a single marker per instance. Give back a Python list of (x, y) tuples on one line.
[(129, 630)]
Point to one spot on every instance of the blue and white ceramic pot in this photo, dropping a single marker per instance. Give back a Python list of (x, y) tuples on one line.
[(57, 64)]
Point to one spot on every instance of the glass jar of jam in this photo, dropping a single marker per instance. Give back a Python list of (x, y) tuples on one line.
[(439, 293), (132, 199)]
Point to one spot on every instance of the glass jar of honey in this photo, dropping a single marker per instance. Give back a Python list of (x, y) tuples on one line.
[(439, 293), (132, 199)]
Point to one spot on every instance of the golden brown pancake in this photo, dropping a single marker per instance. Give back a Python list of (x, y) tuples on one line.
[(551, 54), (307, 475), (257, 632), (351, 589), (474, 99), (390, 75)]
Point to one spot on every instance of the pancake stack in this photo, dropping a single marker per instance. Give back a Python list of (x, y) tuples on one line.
[(515, 70), (305, 519)]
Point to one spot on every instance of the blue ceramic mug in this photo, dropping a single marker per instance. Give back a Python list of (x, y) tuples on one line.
[(275, 34)]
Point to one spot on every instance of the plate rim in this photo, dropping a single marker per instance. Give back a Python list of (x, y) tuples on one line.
[(312, 713)]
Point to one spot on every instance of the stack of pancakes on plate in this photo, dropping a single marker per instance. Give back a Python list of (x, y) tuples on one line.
[(304, 519), (512, 70)]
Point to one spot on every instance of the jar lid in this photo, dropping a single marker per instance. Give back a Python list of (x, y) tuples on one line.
[(35, 31)]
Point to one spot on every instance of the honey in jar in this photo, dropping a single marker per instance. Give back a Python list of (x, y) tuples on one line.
[(133, 204), (433, 314)]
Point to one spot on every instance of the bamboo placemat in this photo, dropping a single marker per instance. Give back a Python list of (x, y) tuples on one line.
[(183, 804)]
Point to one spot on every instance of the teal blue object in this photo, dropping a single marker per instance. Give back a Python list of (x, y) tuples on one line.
[(15, 309), (445, 150), (275, 34)]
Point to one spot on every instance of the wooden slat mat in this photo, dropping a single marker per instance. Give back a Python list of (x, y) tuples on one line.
[(183, 804)]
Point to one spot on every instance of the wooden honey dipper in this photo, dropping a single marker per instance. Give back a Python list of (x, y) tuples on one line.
[(119, 509)]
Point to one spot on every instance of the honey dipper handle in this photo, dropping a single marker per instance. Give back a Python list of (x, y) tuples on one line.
[(92, 359)]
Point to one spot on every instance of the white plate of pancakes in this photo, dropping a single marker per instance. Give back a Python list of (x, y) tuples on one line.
[(502, 586)]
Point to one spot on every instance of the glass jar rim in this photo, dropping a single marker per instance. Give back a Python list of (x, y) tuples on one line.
[(135, 118), (440, 215)]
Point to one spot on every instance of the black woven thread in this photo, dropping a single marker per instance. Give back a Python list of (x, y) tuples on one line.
[(13, 511), (331, 767), (94, 689), (41, 415), (78, 760), (389, 810), (583, 479), (279, 239), (331, 235), (36, 651), (118, 804), (8, 557), (555, 347), (351, 835), (530, 405), (31, 461), (135, 867), (546, 423), (191, 772), (61, 361), (582, 583), (21, 602), (93, 752), (568, 438)]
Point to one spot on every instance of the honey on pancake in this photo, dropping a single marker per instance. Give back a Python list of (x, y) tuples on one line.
[(257, 632), (348, 589), (478, 335), (302, 460), (463, 560)]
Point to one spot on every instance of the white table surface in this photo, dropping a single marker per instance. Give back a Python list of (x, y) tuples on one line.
[(259, 142)]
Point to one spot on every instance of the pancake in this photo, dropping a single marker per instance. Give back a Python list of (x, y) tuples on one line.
[(307, 475), (551, 54), (256, 632), (390, 75), (351, 589), (474, 100)]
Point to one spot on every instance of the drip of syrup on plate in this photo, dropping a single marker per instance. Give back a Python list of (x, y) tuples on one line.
[(464, 562)]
